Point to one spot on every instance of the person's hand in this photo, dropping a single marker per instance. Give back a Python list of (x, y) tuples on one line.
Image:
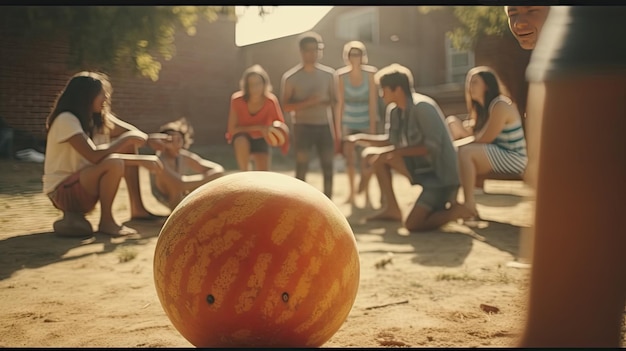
[(136, 141), (388, 155), (338, 145), (314, 100), (375, 153), (136, 138), (352, 138), (265, 130), (162, 137)]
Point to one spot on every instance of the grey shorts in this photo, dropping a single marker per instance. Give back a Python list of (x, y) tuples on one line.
[(436, 199)]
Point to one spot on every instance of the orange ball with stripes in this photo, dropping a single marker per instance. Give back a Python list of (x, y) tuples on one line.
[(277, 134), (256, 259)]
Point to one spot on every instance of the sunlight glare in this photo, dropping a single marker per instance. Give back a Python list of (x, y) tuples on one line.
[(280, 22)]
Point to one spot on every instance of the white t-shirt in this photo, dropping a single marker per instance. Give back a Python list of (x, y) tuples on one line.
[(62, 160)]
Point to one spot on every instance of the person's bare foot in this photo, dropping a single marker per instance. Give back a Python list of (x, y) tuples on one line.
[(113, 229), (144, 215), (471, 207), (350, 200), (462, 212), (386, 215)]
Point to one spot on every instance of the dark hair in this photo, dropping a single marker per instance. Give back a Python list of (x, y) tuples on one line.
[(481, 112), (78, 96), (356, 45), (310, 37), (181, 126), (394, 76), (258, 70)]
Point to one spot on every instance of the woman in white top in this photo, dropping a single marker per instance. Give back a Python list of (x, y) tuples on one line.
[(77, 174)]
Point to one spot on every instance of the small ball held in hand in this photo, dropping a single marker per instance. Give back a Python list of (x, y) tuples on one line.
[(277, 134)]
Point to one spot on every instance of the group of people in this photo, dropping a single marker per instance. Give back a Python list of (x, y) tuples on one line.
[(331, 111), (89, 150), (325, 105), (337, 112), (577, 290)]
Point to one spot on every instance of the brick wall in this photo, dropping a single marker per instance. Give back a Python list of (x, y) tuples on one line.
[(423, 53), (196, 83), (509, 60)]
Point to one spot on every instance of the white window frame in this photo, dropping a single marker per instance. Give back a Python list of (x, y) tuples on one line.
[(351, 15), (452, 71)]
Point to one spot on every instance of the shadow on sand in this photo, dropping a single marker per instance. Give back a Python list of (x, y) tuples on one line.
[(41, 249), (446, 247)]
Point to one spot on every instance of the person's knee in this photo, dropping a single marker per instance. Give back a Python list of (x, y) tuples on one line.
[(380, 163), (114, 165), (465, 154), (241, 140), (218, 170), (452, 119), (369, 151), (416, 220), (414, 223), (129, 149), (302, 157)]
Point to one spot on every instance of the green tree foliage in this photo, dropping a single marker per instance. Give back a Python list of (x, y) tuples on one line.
[(112, 37), (474, 22)]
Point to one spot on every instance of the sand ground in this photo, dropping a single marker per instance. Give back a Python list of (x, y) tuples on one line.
[(60, 292)]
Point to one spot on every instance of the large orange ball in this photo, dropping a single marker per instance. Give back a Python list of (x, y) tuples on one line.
[(256, 259)]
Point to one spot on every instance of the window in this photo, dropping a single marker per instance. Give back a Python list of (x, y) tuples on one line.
[(458, 63), (360, 24)]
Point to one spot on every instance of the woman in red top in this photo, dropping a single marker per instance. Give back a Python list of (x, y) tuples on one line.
[(252, 111)]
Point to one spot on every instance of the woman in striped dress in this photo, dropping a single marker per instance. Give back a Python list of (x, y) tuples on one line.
[(357, 104), (499, 145)]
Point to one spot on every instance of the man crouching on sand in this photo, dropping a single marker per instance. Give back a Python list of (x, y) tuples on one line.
[(418, 145)]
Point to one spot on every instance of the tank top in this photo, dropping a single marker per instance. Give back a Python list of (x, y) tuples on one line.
[(356, 103), (511, 138)]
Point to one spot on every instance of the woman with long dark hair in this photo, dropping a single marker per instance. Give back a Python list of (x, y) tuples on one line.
[(499, 143), (77, 174)]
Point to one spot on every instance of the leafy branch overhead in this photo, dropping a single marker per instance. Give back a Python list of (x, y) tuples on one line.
[(138, 38), (474, 23)]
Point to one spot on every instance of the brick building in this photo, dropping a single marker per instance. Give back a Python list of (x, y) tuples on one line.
[(199, 80)]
